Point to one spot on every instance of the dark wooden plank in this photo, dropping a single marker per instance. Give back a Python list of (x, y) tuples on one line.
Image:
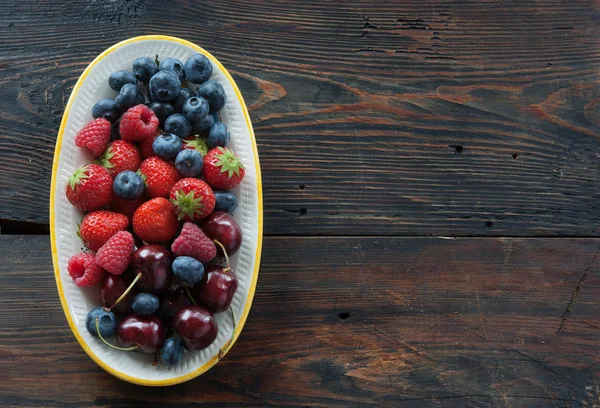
[(347, 322), (448, 118)]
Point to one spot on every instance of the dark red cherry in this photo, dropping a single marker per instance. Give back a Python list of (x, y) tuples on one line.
[(172, 302), (113, 286), (221, 226), (217, 290), (196, 326), (147, 332), (154, 262)]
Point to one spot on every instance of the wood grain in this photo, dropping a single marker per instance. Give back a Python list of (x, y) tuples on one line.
[(347, 322), (449, 118)]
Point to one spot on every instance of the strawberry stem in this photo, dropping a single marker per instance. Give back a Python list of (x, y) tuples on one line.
[(224, 253), (110, 345), (137, 278)]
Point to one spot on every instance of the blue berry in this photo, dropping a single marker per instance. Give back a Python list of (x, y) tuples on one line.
[(171, 352), (214, 94), (165, 86), (128, 185), (163, 110), (107, 323), (145, 304), (215, 116), (183, 96), (116, 80), (106, 108), (189, 162), (195, 109), (217, 135), (225, 201), (202, 125), (166, 146), (198, 69), (173, 65), (144, 68), (128, 97), (178, 125), (188, 270)]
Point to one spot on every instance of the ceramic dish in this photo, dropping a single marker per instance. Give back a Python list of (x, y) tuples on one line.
[(91, 87)]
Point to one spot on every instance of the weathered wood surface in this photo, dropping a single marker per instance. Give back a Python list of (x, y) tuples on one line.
[(448, 118), (347, 322)]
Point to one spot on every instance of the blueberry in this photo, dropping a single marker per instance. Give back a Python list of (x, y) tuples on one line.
[(195, 109), (188, 270), (217, 135), (178, 125), (128, 185), (166, 146), (128, 96), (171, 352), (165, 86), (214, 94), (145, 304), (173, 65), (144, 68), (107, 323), (106, 108), (183, 96), (198, 69), (215, 116), (202, 125), (163, 110), (116, 80), (225, 201), (189, 162)]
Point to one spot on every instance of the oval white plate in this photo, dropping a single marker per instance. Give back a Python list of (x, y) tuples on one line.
[(91, 87)]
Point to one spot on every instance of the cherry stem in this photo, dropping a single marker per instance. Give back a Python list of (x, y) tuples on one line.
[(228, 344), (137, 278), (110, 345), (189, 294), (224, 253)]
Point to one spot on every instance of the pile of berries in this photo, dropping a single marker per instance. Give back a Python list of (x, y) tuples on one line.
[(157, 209)]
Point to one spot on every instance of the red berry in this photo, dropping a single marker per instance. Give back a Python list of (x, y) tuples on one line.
[(159, 175), (90, 188), (114, 255), (146, 145), (94, 136), (193, 242), (84, 270), (155, 222), (192, 199), (138, 123), (127, 207), (98, 226), (120, 156), (222, 169)]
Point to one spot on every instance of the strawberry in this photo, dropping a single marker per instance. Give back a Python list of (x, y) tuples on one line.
[(90, 188), (84, 270), (98, 226), (196, 143), (127, 207), (94, 136), (193, 242), (138, 123), (120, 156), (192, 199), (159, 176), (222, 169), (146, 145), (155, 222), (114, 255)]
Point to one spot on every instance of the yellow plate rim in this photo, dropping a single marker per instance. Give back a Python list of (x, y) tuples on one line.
[(243, 317)]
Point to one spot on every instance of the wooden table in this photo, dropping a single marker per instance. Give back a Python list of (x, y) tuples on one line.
[(432, 213)]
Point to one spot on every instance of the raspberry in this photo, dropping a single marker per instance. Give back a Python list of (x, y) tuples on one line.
[(138, 123), (114, 255), (94, 136), (194, 243), (84, 270)]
